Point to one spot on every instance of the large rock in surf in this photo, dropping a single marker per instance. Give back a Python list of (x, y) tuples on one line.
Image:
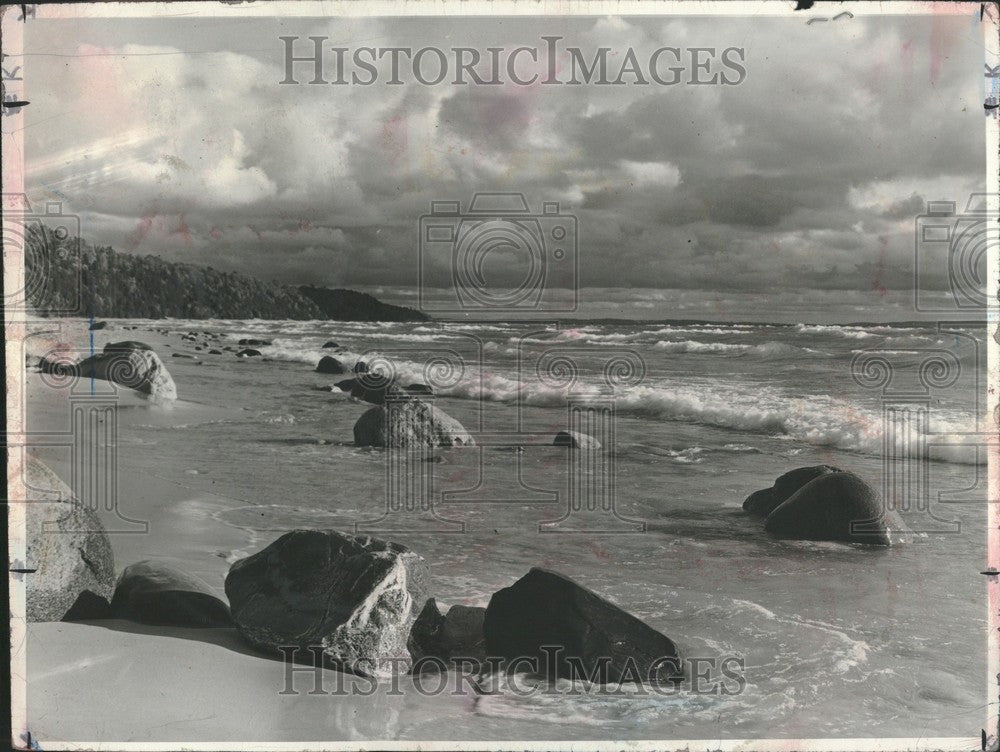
[(409, 423), (836, 507), (152, 593), (355, 597), (765, 501), (135, 368), (68, 549), (596, 638), (329, 364), (576, 440)]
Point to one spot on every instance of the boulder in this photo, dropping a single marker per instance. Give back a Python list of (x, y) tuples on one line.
[(330, 365), (360, 367), (254, 342), (248, 353), (355, 596), (94, 326), (836, 507), (213, 351), (68, 549), (763, 502), (346, 385), (409, 423), (596, 637), (138, 369), (331, 343), (575, 440), (153, 593)]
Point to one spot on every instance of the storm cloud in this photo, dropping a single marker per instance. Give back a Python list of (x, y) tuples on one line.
[(174, 137)]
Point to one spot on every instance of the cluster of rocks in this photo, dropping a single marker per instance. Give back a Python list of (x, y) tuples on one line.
[(825, 503), (70, 568), (362, 602), (401, 419), (365, 604)]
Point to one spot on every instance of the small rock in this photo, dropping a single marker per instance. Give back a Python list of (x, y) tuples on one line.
[(248, 353), (575, 440), (331, 365)]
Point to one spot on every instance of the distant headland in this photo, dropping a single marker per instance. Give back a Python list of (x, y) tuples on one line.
[(69, 274)]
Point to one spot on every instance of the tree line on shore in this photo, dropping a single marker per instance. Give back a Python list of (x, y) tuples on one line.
[(67, 275)]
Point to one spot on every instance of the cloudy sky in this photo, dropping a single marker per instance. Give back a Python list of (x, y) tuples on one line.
[(174, 137)]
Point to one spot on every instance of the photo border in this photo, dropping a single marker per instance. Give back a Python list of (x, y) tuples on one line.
[(15, 329)]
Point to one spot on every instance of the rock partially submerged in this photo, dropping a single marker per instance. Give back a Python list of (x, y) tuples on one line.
[(576, 440), (132, 367), (409, 423), (254, 342), (68, 549), (98, 325), (328, 364), (765, 501), (248, 352), (354, 597), (595, 638), (330, 343), (152, 593), (836, 507)]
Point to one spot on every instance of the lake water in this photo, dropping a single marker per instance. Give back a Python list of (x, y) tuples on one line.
[(834, 640)]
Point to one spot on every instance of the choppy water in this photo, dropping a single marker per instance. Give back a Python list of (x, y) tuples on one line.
[(837, 640)]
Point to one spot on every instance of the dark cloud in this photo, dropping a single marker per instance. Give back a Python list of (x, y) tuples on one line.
[(808, 175)]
